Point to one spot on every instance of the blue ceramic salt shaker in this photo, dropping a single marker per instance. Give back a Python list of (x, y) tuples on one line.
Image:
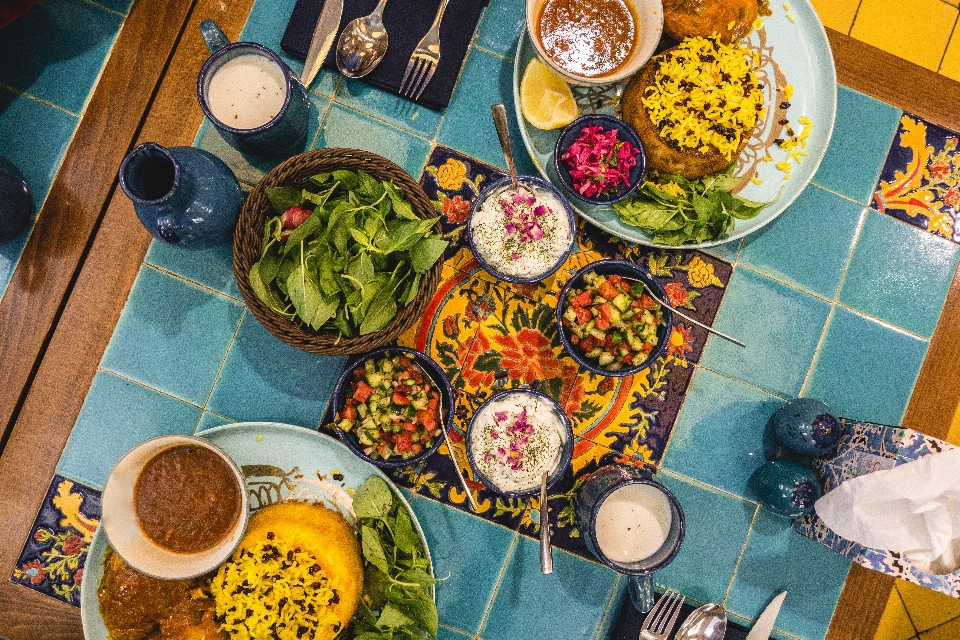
[(786, 488), (16, 202), (183, 196), (807, 426)]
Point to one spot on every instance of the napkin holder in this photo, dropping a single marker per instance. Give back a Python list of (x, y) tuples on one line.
[(866, 447)]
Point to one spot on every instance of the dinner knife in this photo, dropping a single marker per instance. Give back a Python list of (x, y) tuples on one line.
[(323, 36), (761, 630)]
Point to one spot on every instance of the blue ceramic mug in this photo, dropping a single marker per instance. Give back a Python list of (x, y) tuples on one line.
[(632, 524), (251, 96)]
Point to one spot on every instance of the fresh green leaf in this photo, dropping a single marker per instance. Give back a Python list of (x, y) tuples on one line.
[(404, 535), (426, 252), (266, 293), (400, 204), (320, 179), (373, 499), (347, 178), (372, 549), (282, 198), (382, 310), (309, 227), (424, 612), (392, 618), (411, 290)]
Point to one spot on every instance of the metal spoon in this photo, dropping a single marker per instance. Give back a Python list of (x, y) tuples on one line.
[(503, 133), (709, 622), (546, 550), (362, 44)]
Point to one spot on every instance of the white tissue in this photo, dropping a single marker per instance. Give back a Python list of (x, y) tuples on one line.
[(913, 509)]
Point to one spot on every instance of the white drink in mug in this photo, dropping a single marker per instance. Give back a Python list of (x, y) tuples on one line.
[(633, 523), (247, 91)]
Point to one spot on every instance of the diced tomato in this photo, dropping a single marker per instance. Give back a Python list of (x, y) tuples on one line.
[(582, 299), (433, 401), (404, 442), (615, 279), (606, 311), (409, 426), (405, 362), (588, 344), (349, 413), (647, 302), (608, 342), (583, 315), (574, 339), (647, 347), (428, 419), (628, 358), (607, 290), (400, 399), (359, 373), (416, 448), (363, 391), (413, 375), (624, 286), (602, 323)]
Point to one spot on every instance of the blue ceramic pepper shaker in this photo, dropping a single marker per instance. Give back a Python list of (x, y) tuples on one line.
[(183, 196), (807, 426), (16, 202), (786, 488)]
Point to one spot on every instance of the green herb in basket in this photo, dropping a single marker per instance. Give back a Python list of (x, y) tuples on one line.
[(345, 257)]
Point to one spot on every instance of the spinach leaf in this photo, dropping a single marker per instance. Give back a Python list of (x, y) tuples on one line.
[(426, 252), (282, 198), (382, 310), (372, 549)]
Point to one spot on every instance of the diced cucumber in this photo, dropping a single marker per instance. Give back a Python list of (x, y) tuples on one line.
[(419, 403), (374, 378), (598, 334), (606, 358), (362, 410), (595, 353), (621, 302), (570, 314), (345, 424)]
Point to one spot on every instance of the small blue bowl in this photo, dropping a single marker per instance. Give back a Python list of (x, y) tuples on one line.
[(626, 269), (536, 183), (570, 134), (429, 367), (566, 453)]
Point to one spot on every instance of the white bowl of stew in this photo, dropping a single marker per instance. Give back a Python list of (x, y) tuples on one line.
[(595, 42)]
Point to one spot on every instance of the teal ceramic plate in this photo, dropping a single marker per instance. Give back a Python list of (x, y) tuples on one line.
[(796, 53), (280, 463)]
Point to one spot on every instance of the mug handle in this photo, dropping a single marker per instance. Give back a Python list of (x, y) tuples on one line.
[(641, 592), (213, 35)]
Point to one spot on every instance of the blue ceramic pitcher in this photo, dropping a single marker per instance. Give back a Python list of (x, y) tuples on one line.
[(183, 196)]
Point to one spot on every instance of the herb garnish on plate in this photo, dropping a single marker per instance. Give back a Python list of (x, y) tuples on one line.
[(350, 262), (674, 210), (397, 602)]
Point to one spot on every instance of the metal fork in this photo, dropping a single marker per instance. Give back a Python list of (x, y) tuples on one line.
[(423, 63), (659, 622)]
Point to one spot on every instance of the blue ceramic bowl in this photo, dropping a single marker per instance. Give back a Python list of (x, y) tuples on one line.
[(535, 183), (627, 270), (570, 134), (566, 454), (429, 367)]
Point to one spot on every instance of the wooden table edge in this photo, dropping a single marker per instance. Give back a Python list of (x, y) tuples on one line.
[(859, 66)]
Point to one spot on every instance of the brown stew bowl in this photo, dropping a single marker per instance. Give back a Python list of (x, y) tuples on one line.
[(248, 244)]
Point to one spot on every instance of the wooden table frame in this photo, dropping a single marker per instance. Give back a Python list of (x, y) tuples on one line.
[(71, 284)]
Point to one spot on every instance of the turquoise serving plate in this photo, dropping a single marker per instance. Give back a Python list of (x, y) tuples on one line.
[(281, 463), (791, 52)]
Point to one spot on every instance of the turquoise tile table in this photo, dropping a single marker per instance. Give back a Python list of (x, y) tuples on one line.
[(840, 299)]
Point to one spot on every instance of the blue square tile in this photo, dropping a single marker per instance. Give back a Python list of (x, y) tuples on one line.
[(717, 526), (346, 128), (56, 50), (9, 256), (211, 268), (471, 551), (721, 436), (501, 27), (727, 251), (779, 559), (266, 23), (809, 244), (900, 274), (172, 336), (467, 124), (388, 107), (780, 326), (618, 599), (34, 136), (566, 604), (210, 420), (862, 134), (444, 633), (107, 427), (264, 379), (865, 370)]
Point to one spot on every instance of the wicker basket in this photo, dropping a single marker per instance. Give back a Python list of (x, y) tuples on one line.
[(248, 239)]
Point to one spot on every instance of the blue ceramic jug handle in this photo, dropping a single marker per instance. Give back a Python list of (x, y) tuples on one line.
[(641, 592), (213, 35)]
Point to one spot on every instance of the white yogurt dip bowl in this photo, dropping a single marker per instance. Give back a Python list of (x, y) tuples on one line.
[(515, 239), (514, 437)]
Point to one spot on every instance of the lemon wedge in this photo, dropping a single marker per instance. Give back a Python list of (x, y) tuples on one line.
[(545, 99)]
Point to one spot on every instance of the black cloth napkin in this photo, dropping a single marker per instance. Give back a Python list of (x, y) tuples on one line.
[(406, 21)]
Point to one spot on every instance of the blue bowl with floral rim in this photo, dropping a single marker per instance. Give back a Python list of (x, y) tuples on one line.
[(528, 396), (432, 371), (564, 212), (631, 271), (625, 133)]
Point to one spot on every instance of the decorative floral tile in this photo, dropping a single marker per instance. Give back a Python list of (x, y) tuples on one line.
[(920, 181), (54, 554), (489, 335)]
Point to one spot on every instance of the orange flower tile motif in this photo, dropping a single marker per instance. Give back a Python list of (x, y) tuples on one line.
[(920, 182)]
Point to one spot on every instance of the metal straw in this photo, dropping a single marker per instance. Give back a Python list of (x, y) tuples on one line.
[(685, 316)]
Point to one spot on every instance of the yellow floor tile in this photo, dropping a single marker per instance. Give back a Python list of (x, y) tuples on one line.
[(927, 608), (837, 14), (915, 30), (895, 625), (949, 631)]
